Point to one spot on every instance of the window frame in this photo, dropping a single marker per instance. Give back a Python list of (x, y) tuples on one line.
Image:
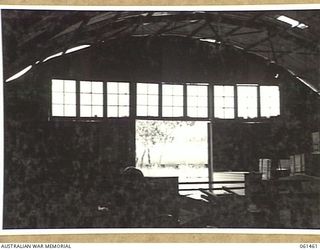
[(133, 102), (260, 104), (106, 97), (235, 101), (91, 105), (51, 100), (257, 85)]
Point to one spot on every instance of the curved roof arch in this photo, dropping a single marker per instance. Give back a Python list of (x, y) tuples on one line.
[(31, 37)]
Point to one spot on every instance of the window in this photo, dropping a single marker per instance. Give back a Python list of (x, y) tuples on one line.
[(91, 99), (118, 99), (247, 100), (269, 101), (224, 101), (172, 100), (63, 98), (197, 100), (147, 99)]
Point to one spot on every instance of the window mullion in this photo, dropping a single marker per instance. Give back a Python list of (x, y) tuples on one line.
[(77, 98), (258, 102), (185, 100), (210, 101), (105, 99), (133, 99), (235, 90), (160, 99)]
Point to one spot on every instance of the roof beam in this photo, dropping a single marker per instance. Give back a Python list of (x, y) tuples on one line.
[(195, 31), (244, 24)]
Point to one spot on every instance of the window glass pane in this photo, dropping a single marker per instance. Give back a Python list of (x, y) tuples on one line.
[(153, 111), (57, 85), (153, 89), (112, 87), (202, 112), (178, 101), (57, 110), (142, 111), (97, 111), (63, 94), (112, 111), (228, 91), (147, 99), (229, 102), (202, 91), (172, 100), (57, 98), (229, 113), (85, 87), (123, 111), (247, 101), (177, 90), (167, 101), (192, 112), (119, 99), (202, 102), (166, 90), (97, 99), (124, 100), (85, 99), (219, 90), (177, 111), (224, 101), (70, 86), (70, 110), (85, 111), (197, 99), (124, 88), (142, 100), (218, 102), (270, 101), (112, 100), (70, 98), (97, 87), (167, 111), (192, 101), (153, 100), (142, 88)]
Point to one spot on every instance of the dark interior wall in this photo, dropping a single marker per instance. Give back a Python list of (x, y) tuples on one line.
[(56, 171), (163, 60), (239, 144)]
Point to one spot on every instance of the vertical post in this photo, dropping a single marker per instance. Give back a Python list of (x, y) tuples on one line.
[(185, 101), (210, 147), (105, 99), (78, 98), (235, 93), (133, 100), (258, 101), (2, 128), (160, 99)]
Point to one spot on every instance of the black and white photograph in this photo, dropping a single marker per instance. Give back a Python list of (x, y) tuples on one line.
[(183, 119)]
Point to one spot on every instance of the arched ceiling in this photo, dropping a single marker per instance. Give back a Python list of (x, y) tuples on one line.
[(31, 36)]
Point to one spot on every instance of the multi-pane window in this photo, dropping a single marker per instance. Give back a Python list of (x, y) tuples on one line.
[(269, 101), (91, 99), (224, 101), (247, 100), (172, 100), (197, 100), (63, 97), (147, 99), (118, 99)]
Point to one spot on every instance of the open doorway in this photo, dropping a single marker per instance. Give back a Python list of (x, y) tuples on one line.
[(172, 148)]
